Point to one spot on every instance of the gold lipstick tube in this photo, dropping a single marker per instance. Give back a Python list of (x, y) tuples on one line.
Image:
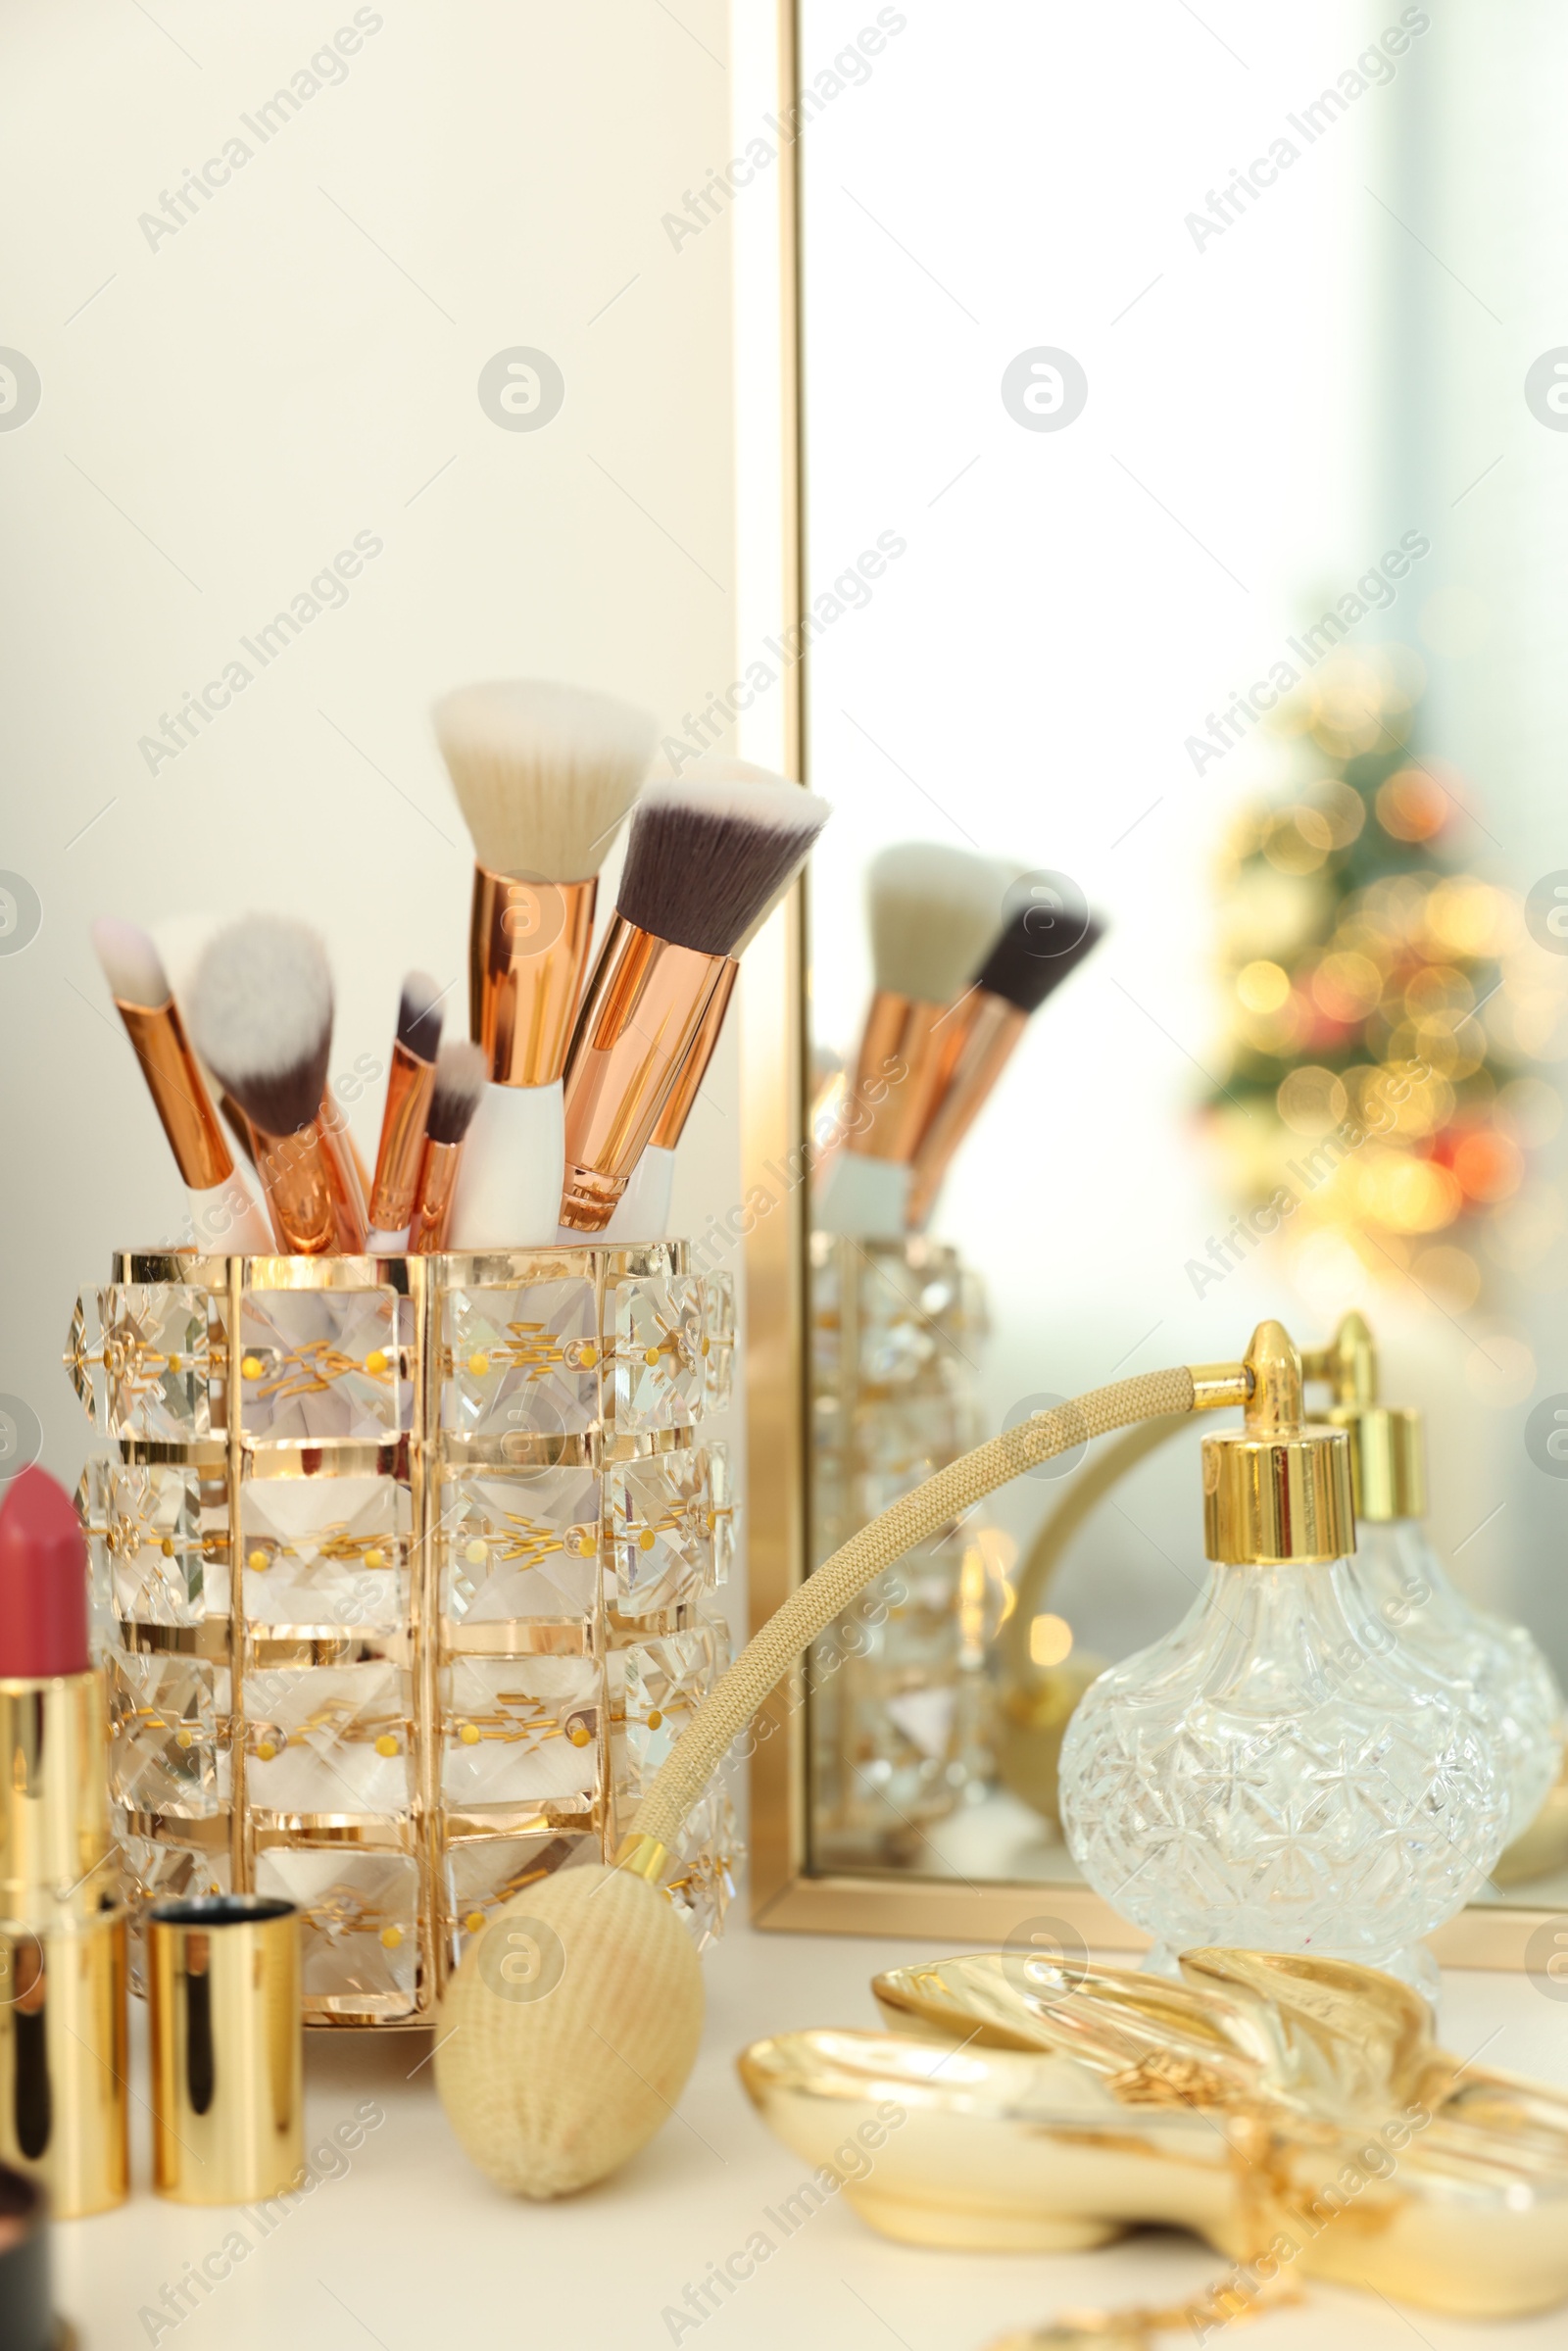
[(433, 1207), (528, 950), (897, 1076), (640, 1017), (63, 2056), (410, 1084), (305, 1194), (987, 1032), (672, 1121), (174, 1083)]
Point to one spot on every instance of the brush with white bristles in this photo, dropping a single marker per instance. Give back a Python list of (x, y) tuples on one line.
[(932, 914), (704, 863), (409, 1086), (643, 1210), (261, 1011), (223, 1215), (544, 776), (459, 1083)]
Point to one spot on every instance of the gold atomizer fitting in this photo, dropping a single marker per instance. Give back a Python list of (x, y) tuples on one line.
[(1277, 1491), (1388, 1441)]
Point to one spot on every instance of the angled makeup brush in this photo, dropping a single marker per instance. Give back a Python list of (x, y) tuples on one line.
[(403, 1122), (544, 776), (458, 1090), (223, 1215), (981, 1033), (933, 915), (261, 1012), (703, 864), (643, 1211)]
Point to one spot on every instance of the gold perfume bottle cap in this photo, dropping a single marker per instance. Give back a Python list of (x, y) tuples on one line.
[(1388, 1441), (1277, 1491)]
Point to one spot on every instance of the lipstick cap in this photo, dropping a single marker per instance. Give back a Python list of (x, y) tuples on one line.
[(227, 2056)]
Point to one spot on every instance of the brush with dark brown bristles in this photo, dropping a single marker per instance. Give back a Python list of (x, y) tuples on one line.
[(643, 1210), (460, 1069), (261, 1014), (703, 864), (409, 1086), (1029, 961)]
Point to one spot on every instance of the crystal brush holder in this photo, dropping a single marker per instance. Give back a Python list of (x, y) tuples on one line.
[(403, 1574)]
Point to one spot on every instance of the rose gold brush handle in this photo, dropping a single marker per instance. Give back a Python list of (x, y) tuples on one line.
[(348, 1200), (302, 1191), (642, 1012), (432, 1207), (239, 1126), (990, 1028), (689, 1077), (528, 950), (410, 1084), (897, 1076), (157, 1035)]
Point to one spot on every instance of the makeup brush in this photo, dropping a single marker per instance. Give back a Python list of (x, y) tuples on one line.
[(643, 1210), (933, 915), (223, 1215), (703, 864), (403, 1122), (261, 1012), (981, 1032), (544, 776), (458, 1090)]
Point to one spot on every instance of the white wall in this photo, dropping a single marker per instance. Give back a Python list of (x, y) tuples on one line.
[(223, 407)]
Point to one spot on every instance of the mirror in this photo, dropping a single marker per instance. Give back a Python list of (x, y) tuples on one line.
[(1180, 419)]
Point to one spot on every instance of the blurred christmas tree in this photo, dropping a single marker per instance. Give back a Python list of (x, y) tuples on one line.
[(1386, 1008)]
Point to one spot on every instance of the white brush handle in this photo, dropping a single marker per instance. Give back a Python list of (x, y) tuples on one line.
[(512, 1169), (386, 1245), (862, 1196), (642, 1213), (226, 1217)]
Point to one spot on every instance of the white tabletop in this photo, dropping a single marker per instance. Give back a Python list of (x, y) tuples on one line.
[(411, 2248)]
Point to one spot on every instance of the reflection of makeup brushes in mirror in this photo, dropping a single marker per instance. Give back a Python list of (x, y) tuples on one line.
[(403, 1122), (981, 1033), (932, 914), (704, 861), (544, 776), (261, 1011), (643, 1213), (223, 1215), (461, 1068)]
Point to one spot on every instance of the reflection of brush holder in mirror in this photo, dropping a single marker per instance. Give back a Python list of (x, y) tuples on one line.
[(897, 1684), (469, 1608)]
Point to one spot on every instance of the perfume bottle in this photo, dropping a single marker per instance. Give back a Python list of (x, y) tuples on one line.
[(1280, 1772), (1494, 1667)]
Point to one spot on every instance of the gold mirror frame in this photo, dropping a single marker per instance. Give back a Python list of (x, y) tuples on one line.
[(785, 1895)]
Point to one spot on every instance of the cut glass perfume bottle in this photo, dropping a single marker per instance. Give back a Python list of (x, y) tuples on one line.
[(1494, 1668), (1281, 1772)]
